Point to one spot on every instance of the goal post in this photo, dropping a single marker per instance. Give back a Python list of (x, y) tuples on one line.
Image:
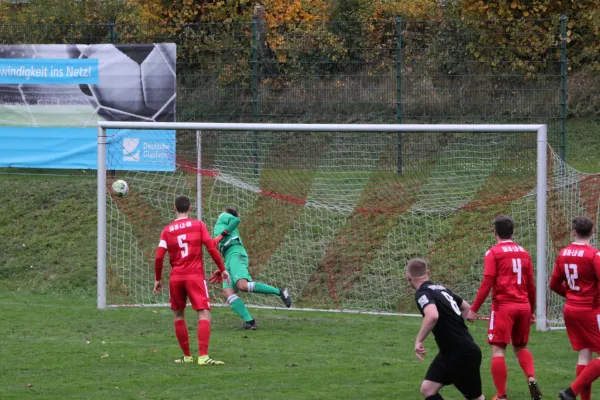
[(353, 146)]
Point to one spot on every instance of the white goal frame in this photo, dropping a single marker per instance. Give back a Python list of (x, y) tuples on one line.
[(541, 187)]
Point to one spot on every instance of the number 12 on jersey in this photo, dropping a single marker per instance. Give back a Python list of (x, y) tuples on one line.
[(571, 274)]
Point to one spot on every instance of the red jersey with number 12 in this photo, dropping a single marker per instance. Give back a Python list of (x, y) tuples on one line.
[(579, 266), (183, 239), (512, 268)]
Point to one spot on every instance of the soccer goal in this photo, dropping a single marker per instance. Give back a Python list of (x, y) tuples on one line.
[(334, 211)]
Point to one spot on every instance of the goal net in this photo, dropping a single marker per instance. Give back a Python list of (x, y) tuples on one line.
[(334, 212)]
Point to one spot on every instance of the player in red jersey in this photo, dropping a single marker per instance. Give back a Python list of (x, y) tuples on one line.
[(576, 276), (508, 272), (183, 239)]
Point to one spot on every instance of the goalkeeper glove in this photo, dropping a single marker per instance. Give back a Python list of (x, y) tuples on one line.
[(219, 276), (220, 237)]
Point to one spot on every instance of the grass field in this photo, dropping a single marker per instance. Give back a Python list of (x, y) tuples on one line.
[(47, 308), (61, 347), (76, 116)]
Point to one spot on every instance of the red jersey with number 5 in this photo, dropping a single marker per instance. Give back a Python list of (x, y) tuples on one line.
[(512, 268), (579, 266), (183, 239)]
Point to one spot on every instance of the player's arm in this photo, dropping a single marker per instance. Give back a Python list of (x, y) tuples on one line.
[(158, 262), (596, 263), (430, 313), (489, 276), (531, 294), (231, 224), (430, 318), (463, 305), (221, 274), (557, 283)]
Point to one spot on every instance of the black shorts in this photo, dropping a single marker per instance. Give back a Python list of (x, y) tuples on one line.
[(461, 370)]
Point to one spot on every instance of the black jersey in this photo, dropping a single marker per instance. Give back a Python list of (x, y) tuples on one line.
[(450, 332)]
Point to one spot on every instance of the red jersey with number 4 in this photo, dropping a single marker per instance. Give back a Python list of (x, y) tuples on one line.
[(183, 239), (579, 266), (511, 266)]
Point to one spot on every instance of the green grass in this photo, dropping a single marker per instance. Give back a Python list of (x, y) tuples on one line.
[(47, 289), (48, 115), (583, 145), (66, 349)]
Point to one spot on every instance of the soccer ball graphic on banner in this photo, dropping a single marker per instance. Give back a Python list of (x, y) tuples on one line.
[(137, 82), (120, 188)]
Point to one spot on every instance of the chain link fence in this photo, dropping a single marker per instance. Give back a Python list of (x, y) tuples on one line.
[(353, 72)]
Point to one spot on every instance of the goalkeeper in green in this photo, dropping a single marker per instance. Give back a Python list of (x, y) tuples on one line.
[(229, 242)]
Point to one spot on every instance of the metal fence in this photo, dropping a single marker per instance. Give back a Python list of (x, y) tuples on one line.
[(350, 72)]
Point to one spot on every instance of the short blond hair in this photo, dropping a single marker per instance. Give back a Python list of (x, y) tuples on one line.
[(416, 268)]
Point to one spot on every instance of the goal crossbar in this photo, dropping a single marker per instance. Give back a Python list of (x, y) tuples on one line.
[(541, 171)]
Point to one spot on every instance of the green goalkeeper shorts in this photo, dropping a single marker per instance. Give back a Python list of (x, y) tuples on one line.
[(236, 263)]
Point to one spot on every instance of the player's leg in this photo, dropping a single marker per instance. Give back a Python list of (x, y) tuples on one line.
[(430, 390), (499, 338), (584, 358), (520, 337), (198, 294), (438, 375), (585, 379), (238, 306), (238, 260), (467, 374), (584, 335), (178, 298)]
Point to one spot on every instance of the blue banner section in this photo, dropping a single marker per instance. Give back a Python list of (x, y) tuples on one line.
[(136, 150), (76, 148), (49, 71)]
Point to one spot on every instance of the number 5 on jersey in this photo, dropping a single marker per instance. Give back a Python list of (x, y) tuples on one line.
[(183, 245)]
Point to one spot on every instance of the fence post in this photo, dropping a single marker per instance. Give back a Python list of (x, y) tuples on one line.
[(111, 31), (255, 41), (563, 87), (399, 60)]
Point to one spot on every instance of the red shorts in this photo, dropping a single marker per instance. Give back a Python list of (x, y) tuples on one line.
[(583, 328), (507, 327), (194, 289)]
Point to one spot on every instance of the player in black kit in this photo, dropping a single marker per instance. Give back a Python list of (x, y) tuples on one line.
[(459, 359)]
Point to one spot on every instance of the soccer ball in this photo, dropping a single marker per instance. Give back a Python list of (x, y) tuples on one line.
[(120, 188), (137, 82)]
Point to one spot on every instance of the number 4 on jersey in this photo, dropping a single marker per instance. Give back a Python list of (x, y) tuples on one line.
[(517, 269)]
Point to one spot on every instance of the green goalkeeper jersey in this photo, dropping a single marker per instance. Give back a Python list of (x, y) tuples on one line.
[(229, 223)]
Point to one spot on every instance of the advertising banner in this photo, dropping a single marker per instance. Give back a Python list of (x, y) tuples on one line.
[(75, 148), (48, 87)]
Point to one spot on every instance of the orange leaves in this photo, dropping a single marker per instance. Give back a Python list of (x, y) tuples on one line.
[(295, 10), (531, 39)]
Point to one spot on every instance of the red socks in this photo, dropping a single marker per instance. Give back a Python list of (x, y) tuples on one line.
[(526, 363), (182, 336), (583, 387), (203, 336), (499, 375)]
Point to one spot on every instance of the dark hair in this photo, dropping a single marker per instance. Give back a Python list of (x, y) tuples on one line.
[(583, 227), (416, 268), (182, 204), (232, 210), (504, 226)]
